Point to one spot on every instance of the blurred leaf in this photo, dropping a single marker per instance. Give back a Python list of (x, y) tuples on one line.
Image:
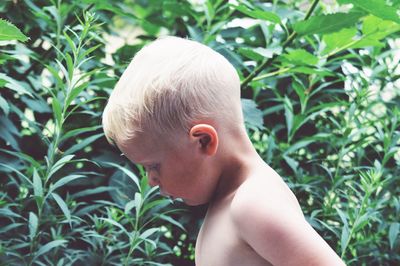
[(77, 131), (294, 165), (115, 223), (344, 238), (327, 23), (268, 52), (149, 232), (301, 56), (14, 85), (37, 184), (49, 246), (7, 213), (172, 221), (129, 206), (4, 105), (374, 30), (339, 39), (129, 173), (378, 8), (393, 233), (252, 115), (288, 114), (33, 225), (55, 103), (258, 13), (9, 32)]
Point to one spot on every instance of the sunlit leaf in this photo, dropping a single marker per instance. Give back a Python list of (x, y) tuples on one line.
[(10, 32), (379, 8), (323, 24)]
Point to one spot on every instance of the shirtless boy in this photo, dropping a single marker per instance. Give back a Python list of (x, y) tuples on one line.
[(176, 110)]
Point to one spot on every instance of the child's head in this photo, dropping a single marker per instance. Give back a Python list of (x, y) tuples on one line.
[(171, 85)]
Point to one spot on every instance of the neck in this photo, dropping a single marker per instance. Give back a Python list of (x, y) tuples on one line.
[(239, 159)]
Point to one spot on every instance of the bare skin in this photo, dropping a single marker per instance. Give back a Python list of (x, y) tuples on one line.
[(253, 217)]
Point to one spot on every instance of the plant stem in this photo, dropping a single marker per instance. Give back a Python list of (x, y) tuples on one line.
[(286, 43), (360, 212)]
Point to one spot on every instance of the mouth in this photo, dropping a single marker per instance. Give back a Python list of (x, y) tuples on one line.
[(170, 197)]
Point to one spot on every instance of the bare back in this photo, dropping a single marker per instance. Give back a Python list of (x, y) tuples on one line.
[(219, 243)]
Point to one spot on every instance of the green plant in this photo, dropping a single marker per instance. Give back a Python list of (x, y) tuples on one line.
[(320, 95)]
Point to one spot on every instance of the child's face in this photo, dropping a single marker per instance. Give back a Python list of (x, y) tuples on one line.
[(179, 168)]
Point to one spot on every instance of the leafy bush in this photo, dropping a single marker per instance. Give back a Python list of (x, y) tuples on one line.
[(323, 74)]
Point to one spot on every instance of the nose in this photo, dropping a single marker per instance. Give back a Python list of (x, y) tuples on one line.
[(153, 181)]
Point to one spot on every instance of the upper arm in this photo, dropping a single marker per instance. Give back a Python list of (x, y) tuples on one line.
[(281, 235)]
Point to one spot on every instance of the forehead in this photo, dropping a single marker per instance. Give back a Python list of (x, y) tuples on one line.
[(141, 149)]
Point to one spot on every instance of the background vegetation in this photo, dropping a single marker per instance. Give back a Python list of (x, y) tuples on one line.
[(324, 75)]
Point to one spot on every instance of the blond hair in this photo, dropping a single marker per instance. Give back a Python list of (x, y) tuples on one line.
[(169, 85)]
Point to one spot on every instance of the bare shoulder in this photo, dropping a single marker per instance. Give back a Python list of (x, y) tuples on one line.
[(268, 218), (264, 190)]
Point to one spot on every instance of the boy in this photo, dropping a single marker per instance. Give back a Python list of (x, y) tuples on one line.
[(177, 111)]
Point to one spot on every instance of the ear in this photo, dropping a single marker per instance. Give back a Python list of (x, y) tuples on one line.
[(206, 136)]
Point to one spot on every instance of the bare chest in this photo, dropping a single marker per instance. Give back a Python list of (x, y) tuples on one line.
[(218, 243)]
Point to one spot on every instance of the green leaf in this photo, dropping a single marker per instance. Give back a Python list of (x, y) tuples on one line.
[(63, 206), (115, 223), (378, 8), (288, 114), (75, 132), (24, 177), (344, 238), (64, 181), (4, 105), (129, 173), (149, 232), (37, 184), (300, 57), (49, 246), (327, 23), (138, 204), (172, 221), (374, 30), (75, 92), (129, 206), (14, 85), (70, 65), (9, 32), (339, 39), (83, 143), (33, 225), (258, 14), (292, 163), (393, 232), (249, 53), (268, 52), (55, 103), (60, 163), (5, 212), (253, 116)]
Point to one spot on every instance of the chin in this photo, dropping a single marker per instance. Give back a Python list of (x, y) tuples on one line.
[(194, 203)]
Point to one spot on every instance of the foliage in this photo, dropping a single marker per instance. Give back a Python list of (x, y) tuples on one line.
[(324, 75)]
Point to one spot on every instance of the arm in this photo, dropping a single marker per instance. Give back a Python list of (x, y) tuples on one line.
[(281, 235)]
